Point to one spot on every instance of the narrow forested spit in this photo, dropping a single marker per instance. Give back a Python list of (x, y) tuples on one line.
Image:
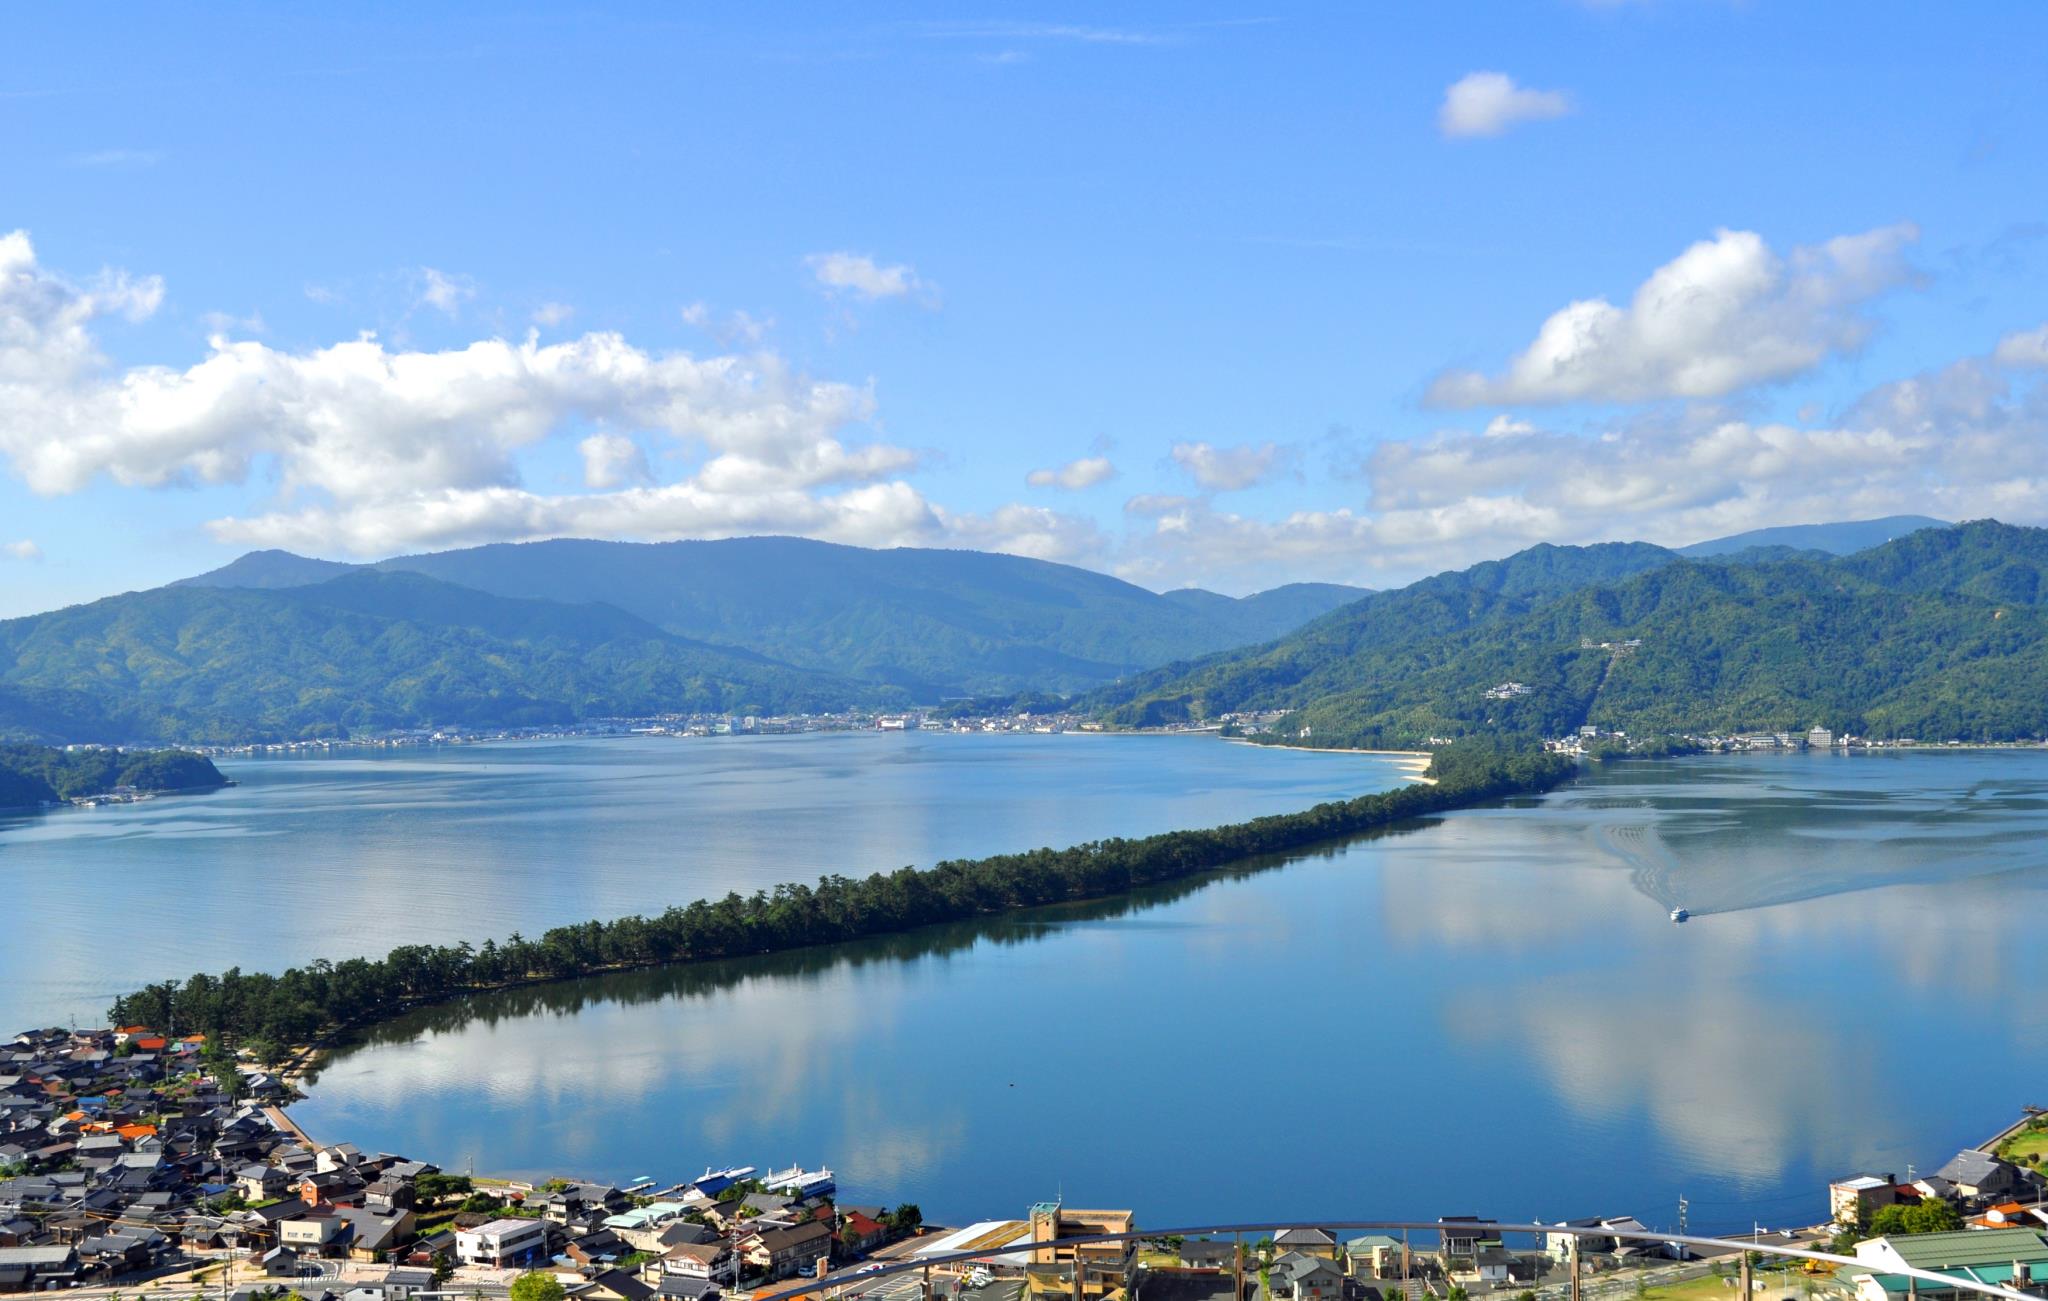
[(263, 1012)]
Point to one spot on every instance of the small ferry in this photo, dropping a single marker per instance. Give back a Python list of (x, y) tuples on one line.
[(1680, 914), (713, 1182), (799, 1182)]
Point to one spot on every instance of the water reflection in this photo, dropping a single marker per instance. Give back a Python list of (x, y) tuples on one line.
[(1492, 1001), (351, 854)]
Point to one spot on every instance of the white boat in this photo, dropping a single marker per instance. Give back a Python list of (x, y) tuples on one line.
[(1679, 914), (799, 1182)]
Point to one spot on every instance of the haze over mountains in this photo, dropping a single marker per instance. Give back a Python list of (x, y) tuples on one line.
[(1935, 632)]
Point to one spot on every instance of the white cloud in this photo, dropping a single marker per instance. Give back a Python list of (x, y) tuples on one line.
[(1074, 475), (733, 328), (1226, 469), (552, 314), (1962, 442), (1488, 103), (613, 461), (229, 323), (1723, 315), (444, 293), (862, 276), (374, 450), (24, 550), (2023, 348)]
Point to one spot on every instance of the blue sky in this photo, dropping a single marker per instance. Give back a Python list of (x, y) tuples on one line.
[(1229, 295)]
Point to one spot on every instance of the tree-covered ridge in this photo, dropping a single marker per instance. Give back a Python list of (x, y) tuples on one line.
[(933, 623), (368, 651), (1937, 635), (1319, 659), (305, 1002), (34, 774)]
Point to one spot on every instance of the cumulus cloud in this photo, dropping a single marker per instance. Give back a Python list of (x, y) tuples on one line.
[(372, 449), (552, 314), (2023, 348), (1488, 103), (613, 461), (1723, 315), (863, 277), (1226, 469), (1074, 475), (444, 293), (1960, 442), (24, 550)]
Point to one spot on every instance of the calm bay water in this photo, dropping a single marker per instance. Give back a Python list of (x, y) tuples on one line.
[(358, 851), (1489, 1013)]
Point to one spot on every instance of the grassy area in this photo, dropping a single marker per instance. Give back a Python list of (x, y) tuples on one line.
[(2027, 1146), (1710, 1288), (1716, 1288)]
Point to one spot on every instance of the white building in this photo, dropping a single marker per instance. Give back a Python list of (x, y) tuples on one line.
[(502, 1242)]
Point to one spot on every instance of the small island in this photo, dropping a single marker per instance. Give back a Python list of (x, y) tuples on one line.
[(37, 776)]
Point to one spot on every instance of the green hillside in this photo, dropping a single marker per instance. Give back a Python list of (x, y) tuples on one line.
[(934, 623), (31, 774), (366, 651), (1319, 659), (1937, 635)]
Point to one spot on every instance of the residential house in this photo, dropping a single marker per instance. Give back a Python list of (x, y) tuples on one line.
[(791, 1251), (1854, 1200), (698, 1259), (260, 1183), (681, 1287), (1207, 1253), (860, 1232), (388, 1194), (1297, 1276), (1375, 1255), (317, 1233), (1459, 1240), (614, 1285), (1979, 1176), (25, 1268), (1607, 1239), (502, 1243), (1309, 1242)]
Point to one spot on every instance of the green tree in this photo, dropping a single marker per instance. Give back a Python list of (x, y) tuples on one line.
[(537, 1285), (1929, 1215)]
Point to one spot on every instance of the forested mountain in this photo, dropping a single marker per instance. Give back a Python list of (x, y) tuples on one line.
[(935, 623), (1936, 635), (367, 650), (1265, 615), (31, 774), (1318, 659), (1840, 539)]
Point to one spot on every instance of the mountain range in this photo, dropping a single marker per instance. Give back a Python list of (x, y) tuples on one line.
[(277, 645), (1935, 634)]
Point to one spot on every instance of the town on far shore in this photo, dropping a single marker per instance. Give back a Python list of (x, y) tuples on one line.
[(137, 1163)]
